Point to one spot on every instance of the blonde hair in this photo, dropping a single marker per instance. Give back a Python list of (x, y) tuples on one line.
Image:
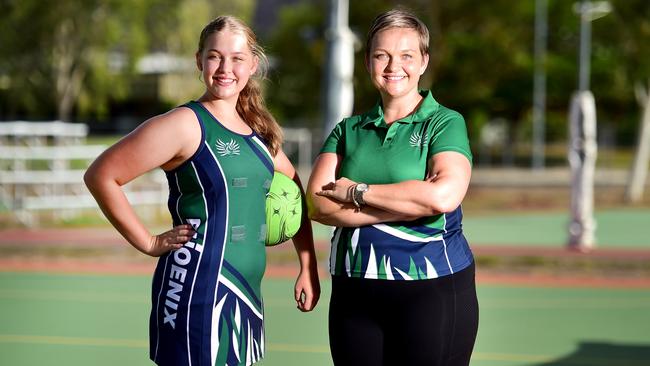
[(399, 18), (250, 104)]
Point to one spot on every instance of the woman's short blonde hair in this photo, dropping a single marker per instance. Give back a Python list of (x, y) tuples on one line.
[(398, 18)]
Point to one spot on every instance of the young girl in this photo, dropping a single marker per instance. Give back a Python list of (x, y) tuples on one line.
[(219, 154)]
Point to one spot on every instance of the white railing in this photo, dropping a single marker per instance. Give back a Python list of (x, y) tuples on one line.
[(298, 146), (42, 166)]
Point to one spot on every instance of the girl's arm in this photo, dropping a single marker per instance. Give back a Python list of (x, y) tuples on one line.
[(307, 287), (162, 141)]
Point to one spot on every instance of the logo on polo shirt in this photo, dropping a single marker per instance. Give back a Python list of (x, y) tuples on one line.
[(227, 148), (418, 140)]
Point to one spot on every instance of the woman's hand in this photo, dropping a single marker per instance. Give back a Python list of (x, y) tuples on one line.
[(341, 190), (172, 239)]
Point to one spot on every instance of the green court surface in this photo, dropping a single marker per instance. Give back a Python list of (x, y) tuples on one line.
[(623, 228), (58, 319)]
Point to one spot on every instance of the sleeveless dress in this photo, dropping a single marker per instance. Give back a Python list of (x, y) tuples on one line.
[(206, 297)]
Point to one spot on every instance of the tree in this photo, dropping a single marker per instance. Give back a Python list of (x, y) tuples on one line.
[(297, 52), (66, 48), (629, 80), (72, 58)]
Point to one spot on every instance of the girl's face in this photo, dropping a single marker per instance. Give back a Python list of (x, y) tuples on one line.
[(226, 64), (395, 62)]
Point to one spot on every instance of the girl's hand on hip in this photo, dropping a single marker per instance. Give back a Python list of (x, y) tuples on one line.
[(172, 239)]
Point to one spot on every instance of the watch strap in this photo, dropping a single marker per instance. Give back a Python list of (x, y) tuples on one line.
[(354, 196)]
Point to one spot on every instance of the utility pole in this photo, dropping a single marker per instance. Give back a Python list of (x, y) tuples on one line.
[(582, 134), (339, 92), (539, 84)]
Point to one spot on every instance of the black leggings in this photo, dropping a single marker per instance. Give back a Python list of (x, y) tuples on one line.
[(426, 322)]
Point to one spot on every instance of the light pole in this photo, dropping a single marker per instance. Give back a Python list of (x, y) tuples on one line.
[(539, 84), (339, 91), (588, 12), (582, 134)]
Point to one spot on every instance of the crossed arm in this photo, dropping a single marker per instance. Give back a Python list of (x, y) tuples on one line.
[(443, 189)]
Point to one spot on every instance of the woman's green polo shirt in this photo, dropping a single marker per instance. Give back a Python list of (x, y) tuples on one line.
[(376, 153)]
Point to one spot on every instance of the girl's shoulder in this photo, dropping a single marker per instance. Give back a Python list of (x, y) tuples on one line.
[(178, 118), (180, 123)]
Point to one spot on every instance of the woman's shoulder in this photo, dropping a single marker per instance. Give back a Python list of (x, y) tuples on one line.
[(450, 113), (354, 121), (351, 119), (432, 110), (445, 115)]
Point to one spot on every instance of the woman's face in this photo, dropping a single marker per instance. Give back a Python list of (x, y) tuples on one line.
[(226, 64), (395, 62)]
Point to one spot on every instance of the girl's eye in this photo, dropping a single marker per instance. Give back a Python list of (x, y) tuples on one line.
[(381, 56), (407, 56)]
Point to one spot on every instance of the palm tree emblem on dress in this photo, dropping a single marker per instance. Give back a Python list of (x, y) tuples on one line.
[(227, 148)]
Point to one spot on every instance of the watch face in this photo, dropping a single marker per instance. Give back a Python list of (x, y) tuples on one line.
[(359, 190)]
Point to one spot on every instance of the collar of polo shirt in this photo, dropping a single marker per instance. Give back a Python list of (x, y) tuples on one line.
[(428, 106)]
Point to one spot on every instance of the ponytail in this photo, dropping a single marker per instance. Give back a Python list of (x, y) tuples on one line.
[(252, 109)]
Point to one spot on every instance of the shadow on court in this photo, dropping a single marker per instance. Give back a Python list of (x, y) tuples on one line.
[(604, 354)]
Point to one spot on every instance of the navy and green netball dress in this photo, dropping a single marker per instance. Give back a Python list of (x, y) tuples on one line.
[(206, 298)]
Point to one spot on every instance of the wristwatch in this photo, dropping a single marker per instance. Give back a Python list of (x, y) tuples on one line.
[(357, 195)]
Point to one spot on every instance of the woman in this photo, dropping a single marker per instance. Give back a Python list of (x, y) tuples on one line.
[(219, 154), (391, 180)]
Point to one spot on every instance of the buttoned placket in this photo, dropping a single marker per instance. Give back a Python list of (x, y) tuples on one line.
[(390, 133)]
